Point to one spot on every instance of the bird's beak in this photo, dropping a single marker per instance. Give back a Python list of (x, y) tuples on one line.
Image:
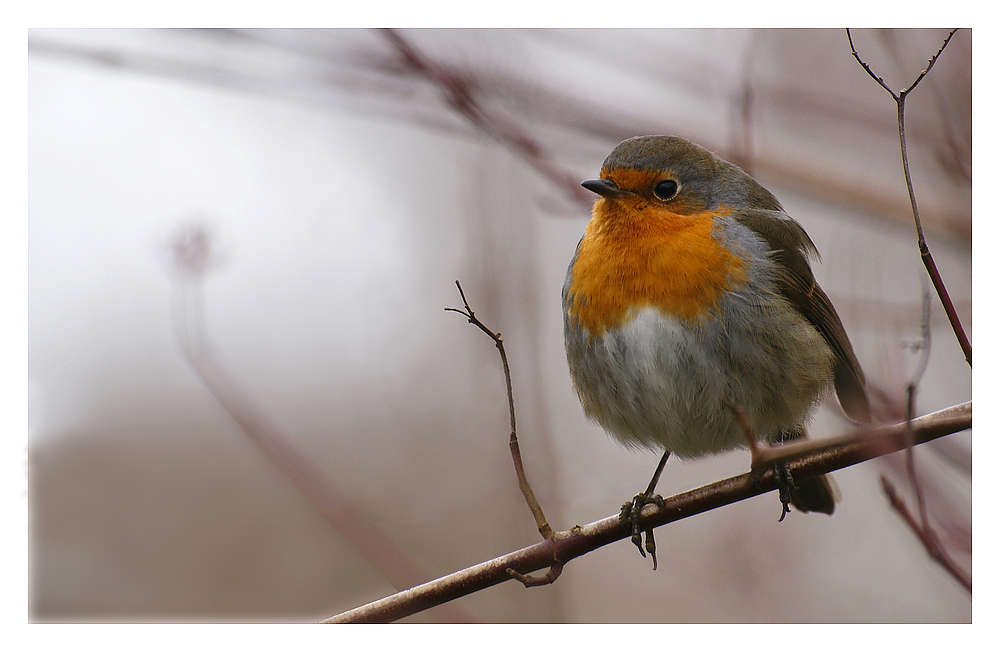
[(604, 188)]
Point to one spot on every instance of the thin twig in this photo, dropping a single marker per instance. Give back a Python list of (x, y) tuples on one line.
[(814, 458), (515, 450), (925, 253)]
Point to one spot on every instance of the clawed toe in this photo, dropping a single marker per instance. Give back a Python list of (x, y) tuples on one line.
[(631, 513), (786, 483)]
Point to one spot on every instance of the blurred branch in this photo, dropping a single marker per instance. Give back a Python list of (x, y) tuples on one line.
[(911, 397), (192, 257), (458, 94), (343, 70), (805, 459), (925, 254), (927, 536), (922, 527), (515, 450)]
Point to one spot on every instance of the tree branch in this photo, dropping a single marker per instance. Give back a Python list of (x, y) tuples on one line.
[(925, 253), (515, 449), (193, 256), (921, 527), (458, 93), (805, 459)]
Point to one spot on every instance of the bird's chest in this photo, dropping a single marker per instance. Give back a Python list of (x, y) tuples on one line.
[(678, 267)]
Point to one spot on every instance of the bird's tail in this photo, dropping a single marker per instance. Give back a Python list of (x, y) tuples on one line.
[(818, 494)]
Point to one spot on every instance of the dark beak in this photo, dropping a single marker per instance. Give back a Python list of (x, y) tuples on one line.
[(603, 187)]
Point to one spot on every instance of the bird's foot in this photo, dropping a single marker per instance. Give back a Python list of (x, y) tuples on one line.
[(786, 484), (630, 514)]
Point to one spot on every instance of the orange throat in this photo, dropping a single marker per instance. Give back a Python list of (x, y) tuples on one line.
[(632, 257)]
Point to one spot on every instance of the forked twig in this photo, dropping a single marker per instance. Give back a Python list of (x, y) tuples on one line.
[(515, 450), (925, 253)]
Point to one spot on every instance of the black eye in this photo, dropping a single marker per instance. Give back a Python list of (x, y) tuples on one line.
[(666, 189)]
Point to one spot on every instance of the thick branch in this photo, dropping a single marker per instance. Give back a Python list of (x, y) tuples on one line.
[(811, 458)]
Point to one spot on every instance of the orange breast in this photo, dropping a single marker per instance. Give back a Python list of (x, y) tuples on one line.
[(633, 256)]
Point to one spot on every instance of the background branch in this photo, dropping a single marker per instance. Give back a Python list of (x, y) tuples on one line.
[(926, 535), (812, 458), (192, 258), (458, 93), (922, 526)]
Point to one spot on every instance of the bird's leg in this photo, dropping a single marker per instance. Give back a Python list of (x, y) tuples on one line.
[(631, 511), (758, 465)]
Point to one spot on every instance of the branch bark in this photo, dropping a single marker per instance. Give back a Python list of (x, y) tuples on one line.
[(805, 459)]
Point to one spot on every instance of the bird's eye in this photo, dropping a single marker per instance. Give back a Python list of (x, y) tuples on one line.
[(665, 189)]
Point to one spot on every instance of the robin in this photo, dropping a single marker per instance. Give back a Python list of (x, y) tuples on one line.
[(689, 300)]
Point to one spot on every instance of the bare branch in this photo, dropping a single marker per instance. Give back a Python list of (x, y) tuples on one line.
[(930, 64), (811, 458), (515, 450), (921, 528), (925, 254), (458, 94), (867, 68)]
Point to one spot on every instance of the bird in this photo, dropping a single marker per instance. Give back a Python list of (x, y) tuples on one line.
[(691, 316)]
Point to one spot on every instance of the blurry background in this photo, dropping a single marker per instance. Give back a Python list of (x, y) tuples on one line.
[(250, 236)]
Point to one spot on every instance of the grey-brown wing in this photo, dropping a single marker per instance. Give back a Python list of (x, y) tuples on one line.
[(791, 245)]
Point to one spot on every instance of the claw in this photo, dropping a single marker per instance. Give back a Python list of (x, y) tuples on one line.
[(651, 546), (631, 512), (785, 481)]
